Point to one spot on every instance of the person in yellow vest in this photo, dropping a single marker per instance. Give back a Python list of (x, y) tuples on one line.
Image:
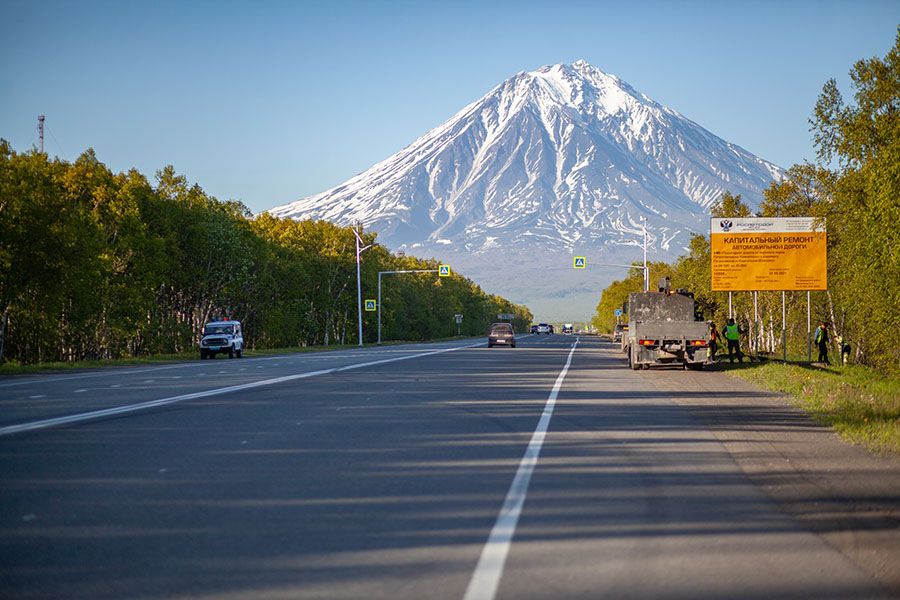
[(821, 338), (733, 337)]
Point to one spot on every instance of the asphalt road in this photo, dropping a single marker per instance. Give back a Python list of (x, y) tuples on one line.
[(440, 470)]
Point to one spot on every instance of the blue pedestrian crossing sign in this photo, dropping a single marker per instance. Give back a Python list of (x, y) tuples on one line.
[(444, 271), (580, 262), (371, 305), (618, 312)]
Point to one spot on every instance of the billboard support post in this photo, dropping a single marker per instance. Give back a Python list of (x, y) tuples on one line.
[(808, 329), (784, 325), (756, 324)]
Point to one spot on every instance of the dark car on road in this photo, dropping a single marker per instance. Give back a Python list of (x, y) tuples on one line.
[(501, 334), (618, 331)]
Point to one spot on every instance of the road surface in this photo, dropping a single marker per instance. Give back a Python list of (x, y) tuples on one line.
[(442, 470)]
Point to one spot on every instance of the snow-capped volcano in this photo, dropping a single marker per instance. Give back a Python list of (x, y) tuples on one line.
[(558, 160), (562, 157)]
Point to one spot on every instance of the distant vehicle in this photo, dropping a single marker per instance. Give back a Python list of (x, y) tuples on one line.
[(223, 337), (664, 327), (544, 328), (568, 329), (618, 331), (501, 334), (534, 329)]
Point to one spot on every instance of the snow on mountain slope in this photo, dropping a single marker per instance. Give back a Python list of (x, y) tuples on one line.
[(563, 157)]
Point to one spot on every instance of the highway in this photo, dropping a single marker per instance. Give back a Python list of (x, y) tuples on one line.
[(445, 470)]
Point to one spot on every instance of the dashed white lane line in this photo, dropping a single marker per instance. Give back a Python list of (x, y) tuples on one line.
[(81, 391), (120, 410), (486, 578)]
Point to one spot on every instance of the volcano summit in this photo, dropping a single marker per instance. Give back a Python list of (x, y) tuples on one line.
[(561, 160)]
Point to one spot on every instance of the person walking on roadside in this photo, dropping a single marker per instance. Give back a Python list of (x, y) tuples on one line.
[(822, 340), (713, 341), (733, 337)]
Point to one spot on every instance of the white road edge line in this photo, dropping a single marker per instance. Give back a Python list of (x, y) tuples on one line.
[(486, 578), (121, 410), (27, 379)]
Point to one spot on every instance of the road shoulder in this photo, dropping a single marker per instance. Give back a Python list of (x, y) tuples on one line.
[(843, 493)]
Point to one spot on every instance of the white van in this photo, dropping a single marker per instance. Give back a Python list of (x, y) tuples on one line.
[(223, 337)]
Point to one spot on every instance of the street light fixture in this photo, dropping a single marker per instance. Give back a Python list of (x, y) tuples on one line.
[(644, 269)]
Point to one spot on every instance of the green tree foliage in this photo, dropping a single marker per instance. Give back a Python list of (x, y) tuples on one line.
[(614, 296), (862, 206), (855, 189), (95, 264), (730, 205)]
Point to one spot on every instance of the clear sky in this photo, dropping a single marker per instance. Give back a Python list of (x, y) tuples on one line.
[(266, 102)]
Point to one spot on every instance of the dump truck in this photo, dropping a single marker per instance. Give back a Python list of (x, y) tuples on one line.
[(665, 327)]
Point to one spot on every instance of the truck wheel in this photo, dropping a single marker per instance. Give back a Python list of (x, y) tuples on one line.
[(231, 352), (634, 366), (240, 353), (202, 354)]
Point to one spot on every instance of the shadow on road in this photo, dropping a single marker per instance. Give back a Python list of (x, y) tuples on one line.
[(344, 486)]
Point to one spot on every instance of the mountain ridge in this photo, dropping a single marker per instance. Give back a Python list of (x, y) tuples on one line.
[(556, 160)]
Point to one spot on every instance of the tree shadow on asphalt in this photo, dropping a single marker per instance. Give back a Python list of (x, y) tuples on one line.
[(331, 488)]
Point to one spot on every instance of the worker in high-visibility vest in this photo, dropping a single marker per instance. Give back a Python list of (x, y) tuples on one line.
[(733, 337), (821, 338)]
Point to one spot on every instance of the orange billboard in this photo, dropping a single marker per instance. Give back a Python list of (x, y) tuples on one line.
[(768, 254)]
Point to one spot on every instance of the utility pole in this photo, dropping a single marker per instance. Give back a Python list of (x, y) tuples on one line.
[(41, 133)]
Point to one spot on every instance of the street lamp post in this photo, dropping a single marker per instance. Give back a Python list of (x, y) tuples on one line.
[(380, 273), (359, 250), (646, 271)]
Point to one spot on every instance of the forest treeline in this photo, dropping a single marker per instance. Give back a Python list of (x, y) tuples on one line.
[(102, 265), (854, 185)]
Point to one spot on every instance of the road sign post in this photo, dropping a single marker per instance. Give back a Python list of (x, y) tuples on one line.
[(459, 319)]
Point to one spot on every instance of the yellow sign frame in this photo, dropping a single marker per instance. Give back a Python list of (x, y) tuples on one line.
[(768, 254)]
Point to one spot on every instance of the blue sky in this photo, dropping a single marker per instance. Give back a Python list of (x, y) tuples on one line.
[(266, 102)]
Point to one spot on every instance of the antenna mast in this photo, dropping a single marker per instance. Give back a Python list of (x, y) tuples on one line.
[(41, 132)]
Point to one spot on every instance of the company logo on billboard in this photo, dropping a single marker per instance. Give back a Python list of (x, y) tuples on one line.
[(726, 225)]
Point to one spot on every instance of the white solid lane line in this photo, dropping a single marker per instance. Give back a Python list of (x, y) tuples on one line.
[(486, 578), (120, 410)]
